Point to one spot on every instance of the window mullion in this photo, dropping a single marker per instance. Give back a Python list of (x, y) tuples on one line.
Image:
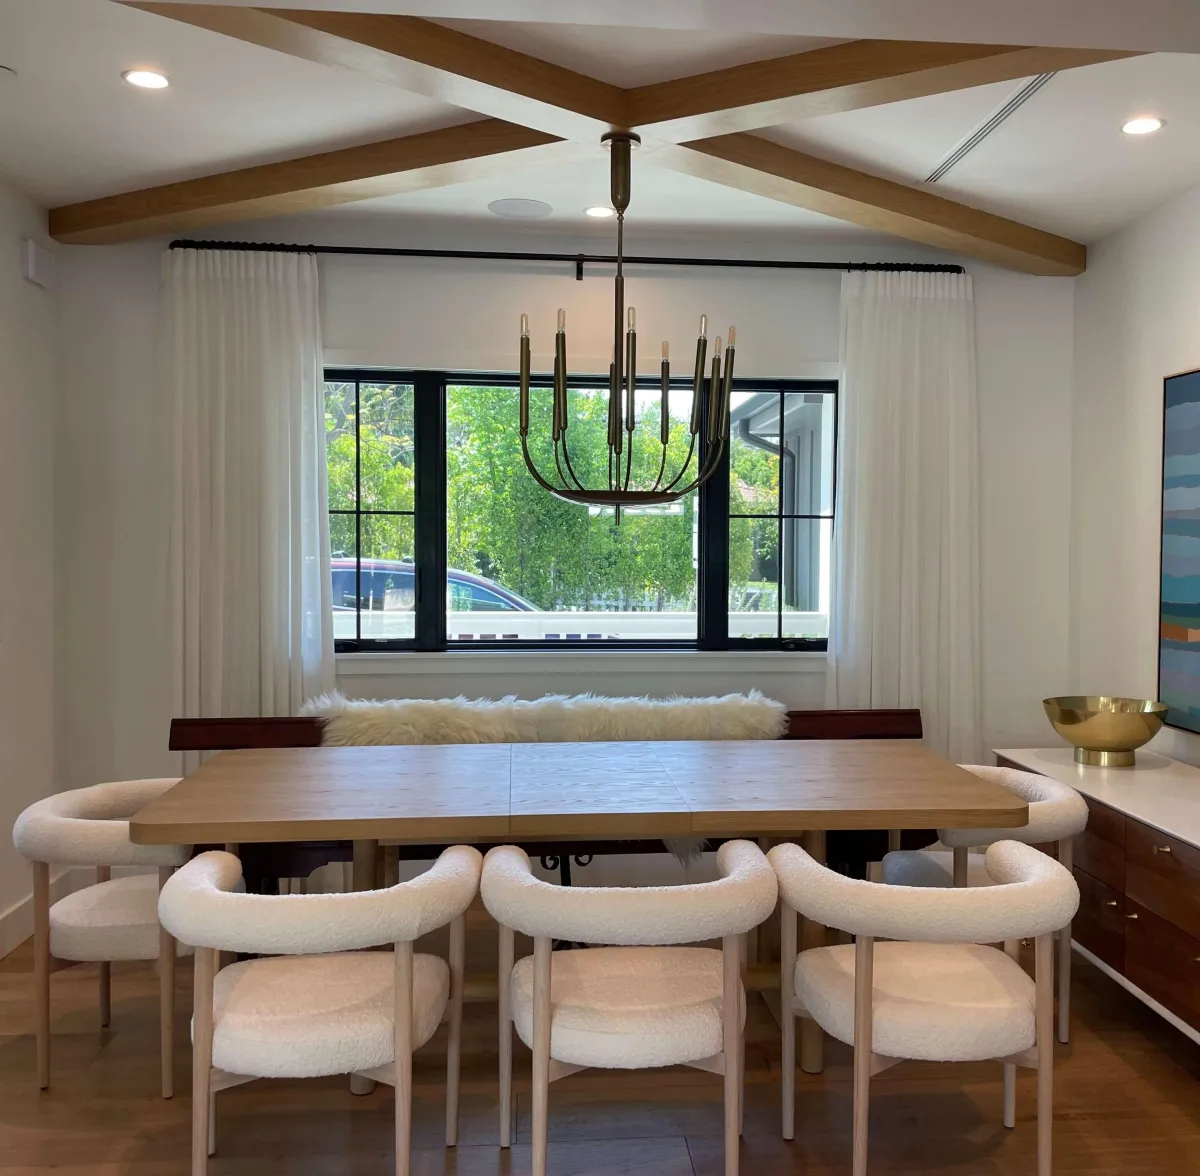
[(429, 440), (712, 618)]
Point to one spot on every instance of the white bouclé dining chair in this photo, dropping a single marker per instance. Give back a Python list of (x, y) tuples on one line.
[(1057, 815), (113, 919), (640, 1001), (936, 991), (314, 1004)]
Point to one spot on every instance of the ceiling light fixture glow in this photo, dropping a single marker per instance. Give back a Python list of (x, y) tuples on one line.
[(146, 79), (1143, 125), (600, 211)]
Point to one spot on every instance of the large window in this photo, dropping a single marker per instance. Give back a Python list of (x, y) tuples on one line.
[(441, 539)]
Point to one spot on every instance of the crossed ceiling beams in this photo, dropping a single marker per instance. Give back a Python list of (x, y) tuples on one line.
[(535, 111)]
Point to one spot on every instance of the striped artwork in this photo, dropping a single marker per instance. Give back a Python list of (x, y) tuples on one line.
[(1179, 611)]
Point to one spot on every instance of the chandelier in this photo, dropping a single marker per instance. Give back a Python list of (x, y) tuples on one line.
[(711, 387)]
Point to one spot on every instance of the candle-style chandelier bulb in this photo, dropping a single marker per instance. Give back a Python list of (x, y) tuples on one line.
[(708, 426)]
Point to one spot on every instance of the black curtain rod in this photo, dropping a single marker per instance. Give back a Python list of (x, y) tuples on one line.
[(579, 260)]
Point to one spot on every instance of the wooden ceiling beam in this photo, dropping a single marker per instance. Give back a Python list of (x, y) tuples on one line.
[(424, 58), (837, 78), (753, 164), (431, 159)]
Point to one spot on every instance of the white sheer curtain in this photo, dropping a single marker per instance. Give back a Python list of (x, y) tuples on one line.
[(904, 626), (250, 589)]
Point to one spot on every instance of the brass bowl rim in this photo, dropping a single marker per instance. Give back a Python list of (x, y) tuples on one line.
[(1096, 703)]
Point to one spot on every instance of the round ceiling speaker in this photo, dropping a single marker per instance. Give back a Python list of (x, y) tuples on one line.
[(518, 208)]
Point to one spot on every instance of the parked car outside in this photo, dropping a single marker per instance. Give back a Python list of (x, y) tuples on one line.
[(391, 584)]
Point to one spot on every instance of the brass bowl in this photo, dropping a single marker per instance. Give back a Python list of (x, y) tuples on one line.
[(1104, 731)]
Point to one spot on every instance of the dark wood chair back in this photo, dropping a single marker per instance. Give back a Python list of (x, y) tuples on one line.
[(854, 724), (226, 734)]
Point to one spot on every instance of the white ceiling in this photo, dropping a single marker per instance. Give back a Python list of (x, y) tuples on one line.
[(616, 56), (70, 129), (1152, 25), (1060, 162), (662, 201)]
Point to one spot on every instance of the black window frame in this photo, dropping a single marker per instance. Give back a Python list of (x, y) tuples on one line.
[(429, 518)]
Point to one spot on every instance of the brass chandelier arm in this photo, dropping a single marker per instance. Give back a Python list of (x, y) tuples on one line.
[(662, 465), (529, 465), (684, 467), (710, 467), (558, 465), (570, 468)]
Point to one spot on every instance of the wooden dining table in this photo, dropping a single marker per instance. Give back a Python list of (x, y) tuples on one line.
[(493, 793), (529, 791)]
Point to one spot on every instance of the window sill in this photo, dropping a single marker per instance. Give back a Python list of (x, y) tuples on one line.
[(542, 662)]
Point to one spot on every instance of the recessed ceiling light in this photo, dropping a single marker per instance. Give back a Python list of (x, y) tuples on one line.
[(600, 211), (518, 208), (1143, 125), (146, 79)]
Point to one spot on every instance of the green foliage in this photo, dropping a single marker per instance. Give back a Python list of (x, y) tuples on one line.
[(504, 526)]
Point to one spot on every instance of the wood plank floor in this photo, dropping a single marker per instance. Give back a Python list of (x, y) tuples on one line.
[(1128, 1102)]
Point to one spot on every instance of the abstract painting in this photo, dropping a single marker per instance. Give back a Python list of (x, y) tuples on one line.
[(1179, 608)]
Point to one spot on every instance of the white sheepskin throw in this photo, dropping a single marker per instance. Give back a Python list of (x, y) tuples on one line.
[(556, 718)]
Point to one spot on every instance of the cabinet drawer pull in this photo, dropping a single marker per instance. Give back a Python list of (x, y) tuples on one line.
[(1133, 916), (1112, 902), (1162, 849)]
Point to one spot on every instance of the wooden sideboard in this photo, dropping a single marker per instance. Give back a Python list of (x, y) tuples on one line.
[(1138, 869)]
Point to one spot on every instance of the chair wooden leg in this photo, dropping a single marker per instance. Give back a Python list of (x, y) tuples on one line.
[(961, 863), (507, 950), (1012, 949), (787, 1013), (812, 1037), (864, 969), (1044, 977), (41, 967), (365, 863), (542, 1012), (103, 874), (744, 961), (731, 1045), (166, 998), (1066, 857), (458, 932), (202, 1037), (212, 1123), (403, 1059)]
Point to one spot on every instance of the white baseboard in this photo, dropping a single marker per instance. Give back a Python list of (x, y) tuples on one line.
[(16, 923)]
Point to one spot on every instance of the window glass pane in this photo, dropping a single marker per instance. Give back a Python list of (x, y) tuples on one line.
[(563, 571), (387, 586), (779, 577), (339, 444), (754, 453), (805, 577), (754, 577), (808, 439), (385, 438), (344, 577)]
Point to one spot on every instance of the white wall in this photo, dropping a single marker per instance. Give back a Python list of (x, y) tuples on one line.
[(1137, 319), (27, 559), (464, 314)]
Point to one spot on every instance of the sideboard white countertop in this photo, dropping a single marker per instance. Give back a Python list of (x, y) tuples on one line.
[(1157, 791)]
